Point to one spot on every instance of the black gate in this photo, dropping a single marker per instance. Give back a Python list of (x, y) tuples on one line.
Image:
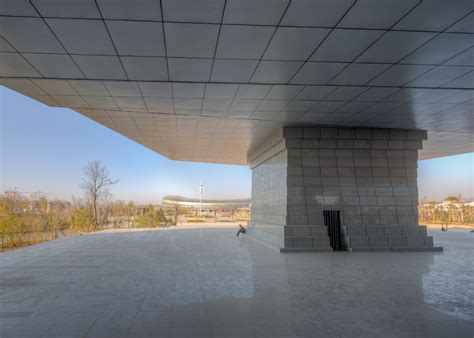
[(332, 219)]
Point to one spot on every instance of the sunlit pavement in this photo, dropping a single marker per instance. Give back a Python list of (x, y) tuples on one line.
[(210, 283)]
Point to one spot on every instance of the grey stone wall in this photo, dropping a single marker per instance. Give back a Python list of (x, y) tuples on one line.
[(369, 174), (269, 199)]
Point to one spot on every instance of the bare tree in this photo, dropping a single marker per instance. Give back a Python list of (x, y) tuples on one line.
[(96, 184)]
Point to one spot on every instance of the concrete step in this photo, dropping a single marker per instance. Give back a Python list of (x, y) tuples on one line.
[(306, 230), (307, 242), (387, 241), (398, 249), (384, 230)]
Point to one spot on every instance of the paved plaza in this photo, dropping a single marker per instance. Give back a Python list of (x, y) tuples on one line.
[(209, 283)]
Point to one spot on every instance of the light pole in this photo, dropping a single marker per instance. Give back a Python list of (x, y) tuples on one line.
[(200, 198)]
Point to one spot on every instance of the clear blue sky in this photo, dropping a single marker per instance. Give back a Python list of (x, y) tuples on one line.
[(44, 149)]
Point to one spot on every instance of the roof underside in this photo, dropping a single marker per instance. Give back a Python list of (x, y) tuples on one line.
[(207, 80)]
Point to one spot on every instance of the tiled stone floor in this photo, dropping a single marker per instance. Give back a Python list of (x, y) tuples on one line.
[(209, 283)]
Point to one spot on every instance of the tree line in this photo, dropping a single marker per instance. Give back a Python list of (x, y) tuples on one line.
[(452, 210), (28, 219)]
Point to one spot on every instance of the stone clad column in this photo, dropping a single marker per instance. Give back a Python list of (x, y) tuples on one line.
[(368, 175)]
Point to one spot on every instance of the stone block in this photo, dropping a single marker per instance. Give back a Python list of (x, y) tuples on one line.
[(415, 241), (312, 180), (380, 172), (363, 133), (408, 220), (397, 241), (349, 191), (346, 133), (368, 200), (296, 200), (398, 134), (319, 230), (388, 220), (380, 134), (361, 153), (398, 172), (378, 242), (401, 191), (352, 211), (287, 230), (315, 218), (293, 132), (417, 135), (378, 144), (345, 144), (293, 143), (395, 154), (302, 242), (394, 181), (362, 162), (311, 191), (423, 230), (396, 144), (410, 154), (393, 230), (411, 172), (327, 162), (327, 132), (374, 153), (403, 201), (352, 219), (321, 242), (350, 200), (310, 144), (363, 191), (295, 180), (362, 144), (379, 163), (347, 181), (307, 152), (312, 132), (345, 171), (388, 211), (295, 162), (311, 171), (374, 230), (345, 162), (370, 219), (327, 144), (355, 230), (383, 201), (428, 241), (295, 171), (396, 163), (344, 153), (368, 210), (300, 230), (365, 181), (289, 242), (297, 220), (296, 210), (358, 242), (413, 144), (328, 171), (363, 171), (327, 153), (413, 230), (310, 161)]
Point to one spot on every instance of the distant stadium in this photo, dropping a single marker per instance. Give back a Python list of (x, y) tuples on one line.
[(206, 210)]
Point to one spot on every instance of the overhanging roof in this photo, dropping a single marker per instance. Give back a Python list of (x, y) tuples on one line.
[(207, 80)]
